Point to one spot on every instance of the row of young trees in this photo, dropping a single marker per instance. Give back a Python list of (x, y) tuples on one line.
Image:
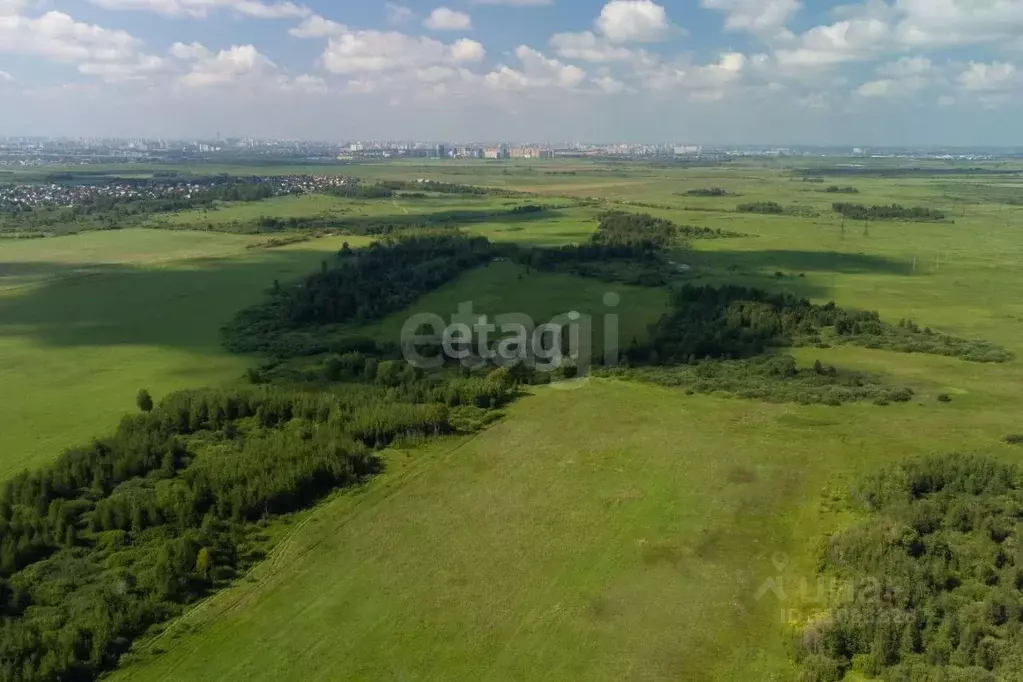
[(761, 207), (118, 535), (888, 212), (386, 225), (708, 192)]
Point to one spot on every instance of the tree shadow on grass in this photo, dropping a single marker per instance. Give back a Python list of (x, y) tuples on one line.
[(795, 272), (15, 274), (451, 218), (181, 306), (185, 305), (800, 262)]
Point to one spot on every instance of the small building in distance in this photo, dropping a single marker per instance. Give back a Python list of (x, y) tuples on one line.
[(530, 153)]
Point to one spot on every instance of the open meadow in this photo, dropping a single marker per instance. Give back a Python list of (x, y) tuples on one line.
[(87, 320), (601, 529)]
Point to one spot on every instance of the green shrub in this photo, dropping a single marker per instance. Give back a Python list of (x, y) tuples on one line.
[(939, 574)]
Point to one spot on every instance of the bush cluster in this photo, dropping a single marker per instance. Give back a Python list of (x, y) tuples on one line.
[(762, 207), (934, 578)]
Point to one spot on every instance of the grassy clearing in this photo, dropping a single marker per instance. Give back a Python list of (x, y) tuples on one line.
[(505, 287), (87, 320)]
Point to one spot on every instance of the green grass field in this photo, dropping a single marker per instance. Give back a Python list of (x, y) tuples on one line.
[(505, 287), (614, 532), (601, 531), (87, 320)]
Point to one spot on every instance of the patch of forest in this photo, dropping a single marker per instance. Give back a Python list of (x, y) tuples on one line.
[(888, 212), (354, 286), (713, 338), (732, 322), (928, 585), (633, 248), (728, 338), (123, 533), (626, 247), (385, 225), (707, 192), (761, 207)]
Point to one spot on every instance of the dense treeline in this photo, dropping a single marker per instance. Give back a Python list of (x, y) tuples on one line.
[(708, 192), (725, 338), (835, 189), (762, 207), (385, 225), (891, 212), (358, 286), (931, 581), (120, 534), (736, 322)]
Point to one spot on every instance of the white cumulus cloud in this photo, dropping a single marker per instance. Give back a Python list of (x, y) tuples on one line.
[(876, 89), (906, 67), (398, 14), (536, 72), (958, 22), (980, 77), (623, 21), (202, 8), (514, 3), (227, 66), (589, 48), (12, 6), (838, 43), (445, 19), (316, 26), (763, 17), (58, 37), (355, 52)]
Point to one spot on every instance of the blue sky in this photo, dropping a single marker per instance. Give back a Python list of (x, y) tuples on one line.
[(869, 72)]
